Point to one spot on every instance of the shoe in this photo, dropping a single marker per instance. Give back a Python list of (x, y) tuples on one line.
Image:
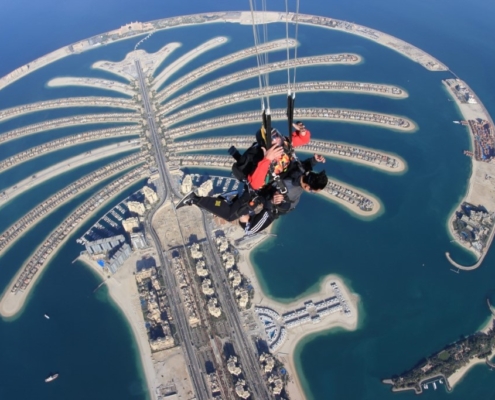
[(188, 200)]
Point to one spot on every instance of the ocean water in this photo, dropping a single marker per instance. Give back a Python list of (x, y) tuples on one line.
[(409, 310)]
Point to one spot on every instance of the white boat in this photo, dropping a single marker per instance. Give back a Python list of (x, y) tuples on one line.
[(425, 386), (434, 386), (456, 122), (47, 316), (51, 378)]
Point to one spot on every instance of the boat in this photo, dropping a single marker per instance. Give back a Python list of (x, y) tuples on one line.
[(51, 378), (46, 316), (456, 122)]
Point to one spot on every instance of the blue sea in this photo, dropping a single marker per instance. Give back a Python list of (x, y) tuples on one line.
[(411, 304)]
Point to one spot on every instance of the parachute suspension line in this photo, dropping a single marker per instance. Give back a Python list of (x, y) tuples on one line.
[(291, 89), (296, 17), (266, 76), (262, 78), (258, 58), (287, 43), (290, 93)]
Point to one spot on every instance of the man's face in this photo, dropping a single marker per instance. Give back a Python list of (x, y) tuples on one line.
[(306, 186), (301, 127), (276, 141), (308, 189)]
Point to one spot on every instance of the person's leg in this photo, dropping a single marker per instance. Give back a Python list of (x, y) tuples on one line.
[(221, 208), (218, 206), (257, 222)]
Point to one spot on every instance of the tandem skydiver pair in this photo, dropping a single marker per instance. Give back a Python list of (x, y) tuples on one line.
[(274, 180)]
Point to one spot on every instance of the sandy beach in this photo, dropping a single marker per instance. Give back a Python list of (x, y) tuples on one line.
[(457, 376), (11, 304), (481, 188), (104, 84), (63, 167), (122, 289)]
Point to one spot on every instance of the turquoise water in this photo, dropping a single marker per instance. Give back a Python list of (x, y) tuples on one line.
[(409, 310)]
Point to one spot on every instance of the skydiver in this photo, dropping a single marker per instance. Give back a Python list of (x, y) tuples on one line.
[(281, 204), (274, 202)]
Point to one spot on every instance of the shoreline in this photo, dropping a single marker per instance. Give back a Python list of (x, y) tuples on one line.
[(287, 352), (477, 190), (12, 305), (457, 376), (224, 17), (92, 83), (123, 303)]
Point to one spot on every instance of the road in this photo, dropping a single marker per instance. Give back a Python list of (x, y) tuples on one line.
[(180, 320), (245, 348)]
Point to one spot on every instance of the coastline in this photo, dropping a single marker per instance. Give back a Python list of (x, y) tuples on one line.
[(479, 190), (223, 17), (286, 353), (122, 294), (91, 82), (457, 376), (12, 305)]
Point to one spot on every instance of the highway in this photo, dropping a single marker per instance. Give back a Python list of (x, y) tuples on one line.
[(182, 325), (245, 348)]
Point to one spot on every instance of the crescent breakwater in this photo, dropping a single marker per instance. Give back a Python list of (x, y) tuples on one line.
[(242, 17), (320, 86), (15, 296), (401, 124), (134, 29)]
